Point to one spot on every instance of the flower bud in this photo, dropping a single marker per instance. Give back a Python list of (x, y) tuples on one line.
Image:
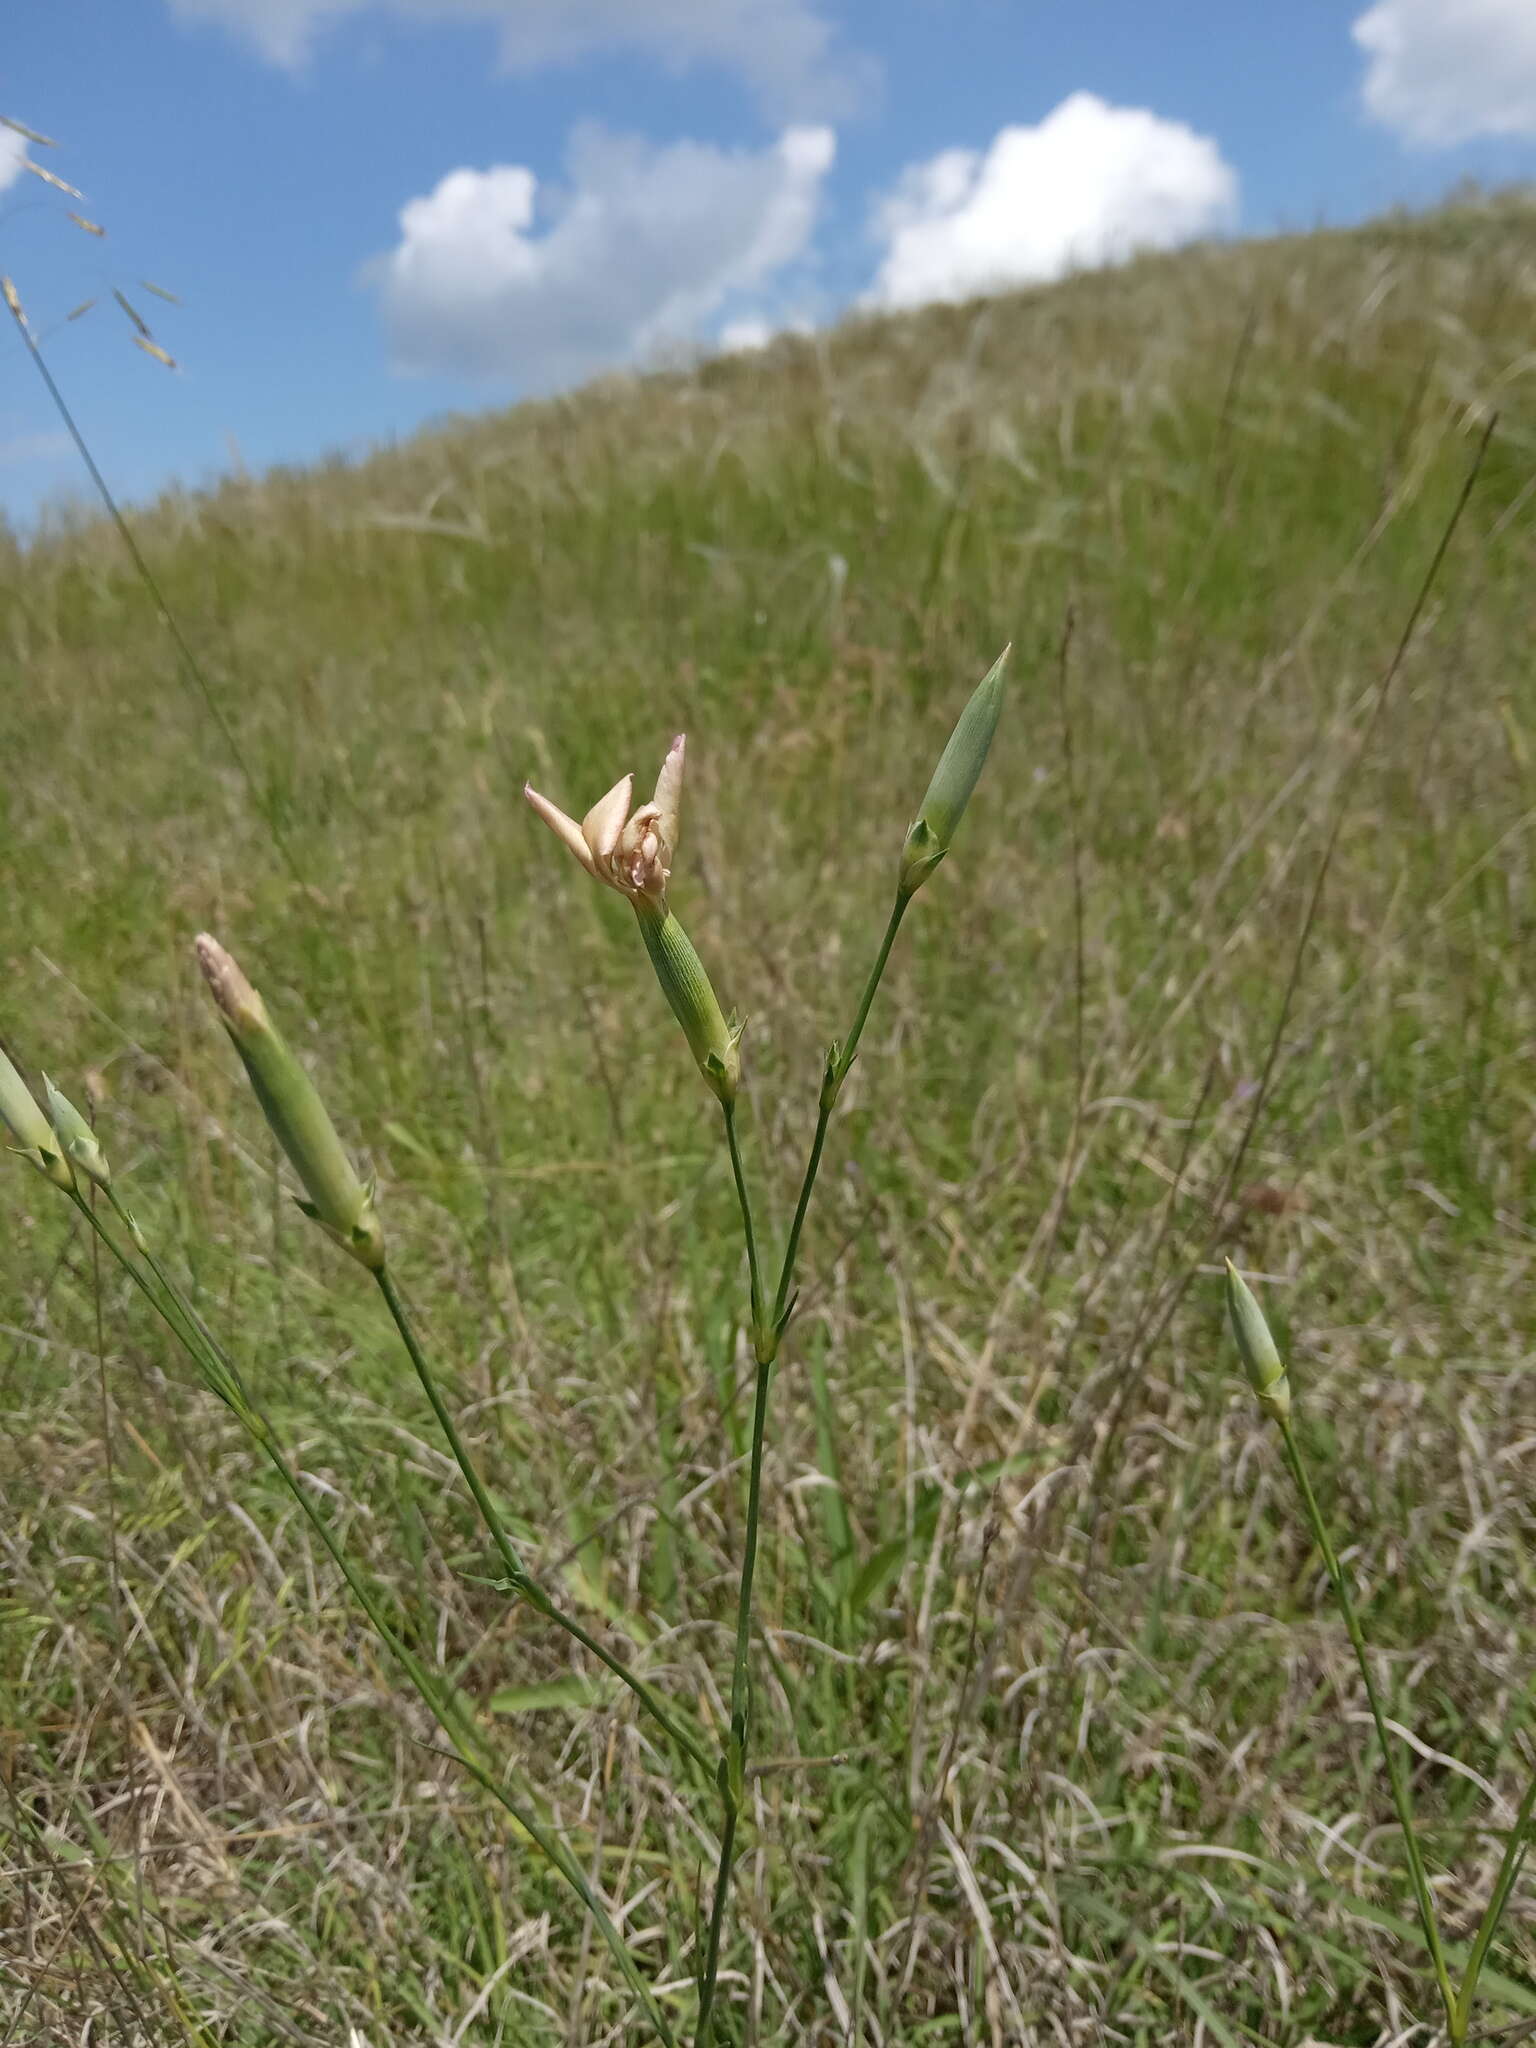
[(715, 1044), (76, 1138), (291, 1104), (960, 764), (35, 1137), (1261, 1360)]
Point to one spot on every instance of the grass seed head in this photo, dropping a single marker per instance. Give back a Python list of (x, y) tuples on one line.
[(51, 178), (35, 1137), (76, 1138), (32, 134), (291, 1104), (1261, 1358), (153, 348), (929, 836)]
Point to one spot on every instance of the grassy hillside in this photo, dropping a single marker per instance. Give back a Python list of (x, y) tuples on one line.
[(1067, 1742)]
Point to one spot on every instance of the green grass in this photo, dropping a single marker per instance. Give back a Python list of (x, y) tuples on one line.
[(1067, 1743)]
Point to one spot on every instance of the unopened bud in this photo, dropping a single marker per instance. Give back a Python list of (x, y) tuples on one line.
[(929, 836), (291, 1104), (35, 1137), (1261, 1359), (76, 1138)]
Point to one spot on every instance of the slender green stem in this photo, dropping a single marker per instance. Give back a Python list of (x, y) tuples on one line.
[(711, 1971), (838, 1063), (734, 1776), (1509, 1871), (179, 1317), (851, 1042), (812, 1168), (733, 1771), (766, 1335), (174, 1311), (518, 1577), (1395, 1778), (515, 1569), (754, 1264), (200, 1332), (740, 1687)]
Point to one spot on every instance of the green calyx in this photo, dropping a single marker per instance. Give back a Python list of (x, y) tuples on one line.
[(290, 1102), (35, 1138), (714, 1043), (1260, 1355), (931, 832), (77, 1140)]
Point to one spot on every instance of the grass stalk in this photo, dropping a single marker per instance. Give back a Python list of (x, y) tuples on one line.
[(192, 667), (1395, 1778), (1509, 1872)]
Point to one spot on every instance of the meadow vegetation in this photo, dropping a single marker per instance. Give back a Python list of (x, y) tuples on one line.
[(1059, 1733)]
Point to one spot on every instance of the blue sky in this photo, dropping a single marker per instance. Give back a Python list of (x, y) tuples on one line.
[(375, 211)]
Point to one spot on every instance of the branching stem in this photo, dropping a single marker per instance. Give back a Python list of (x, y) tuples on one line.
[(767, 1332)]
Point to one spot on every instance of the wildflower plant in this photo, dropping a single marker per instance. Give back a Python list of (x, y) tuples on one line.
[(631, 850), (635, 857)]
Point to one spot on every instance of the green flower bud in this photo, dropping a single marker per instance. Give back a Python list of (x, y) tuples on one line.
[(1261, 1360), (291, 1104), (76, 1137), (960, 764), (715, 1044), (34, 1135)]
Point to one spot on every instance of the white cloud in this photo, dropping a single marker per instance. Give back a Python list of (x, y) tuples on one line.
[(1091, 184), (786, 50), (1443, 71), (635, 255), (750, 331), (13, 154), (740, 337)]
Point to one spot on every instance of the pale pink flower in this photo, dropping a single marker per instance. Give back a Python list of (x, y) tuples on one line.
[(630, 851)]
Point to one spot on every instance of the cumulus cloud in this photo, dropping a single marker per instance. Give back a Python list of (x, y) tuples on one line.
[(741, 337), (639, 250), (1090, 184), (1444, 71), (750, 331), (786, 50)]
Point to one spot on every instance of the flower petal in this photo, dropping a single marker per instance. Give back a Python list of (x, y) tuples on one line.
[(563, 827), (633, 835), (669, 797), (604, 823)]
